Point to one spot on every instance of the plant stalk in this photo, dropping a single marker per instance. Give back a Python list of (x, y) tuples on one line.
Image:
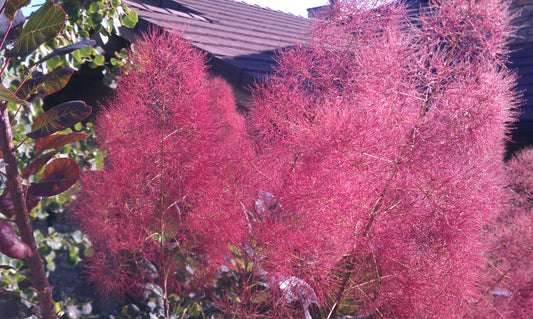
[(349, 272), (14, 185)]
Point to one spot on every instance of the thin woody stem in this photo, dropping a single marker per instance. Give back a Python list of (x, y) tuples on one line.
[(351, 257), (162, 205), (14, 185)]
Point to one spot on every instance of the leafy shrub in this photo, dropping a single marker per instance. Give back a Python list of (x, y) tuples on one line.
[(37, 56)]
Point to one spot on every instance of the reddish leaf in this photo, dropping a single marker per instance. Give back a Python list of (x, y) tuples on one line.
[(46, 84), (58, 140), (12, 6), (58, 176), (12, 306), (37, 164), (32, 201), (58, 118), (10, 243), (6, 204), (44, 24), (8, 96)]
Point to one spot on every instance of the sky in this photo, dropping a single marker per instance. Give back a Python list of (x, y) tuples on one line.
[(32, 7), (297, 7)]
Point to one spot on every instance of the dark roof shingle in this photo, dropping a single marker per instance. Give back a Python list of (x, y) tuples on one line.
[(239, 38)]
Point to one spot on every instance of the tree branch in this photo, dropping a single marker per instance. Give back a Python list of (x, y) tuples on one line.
[(14, 185)]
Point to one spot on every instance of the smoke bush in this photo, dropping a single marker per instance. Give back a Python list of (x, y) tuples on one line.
[(510, 257), (375, 156), (382, 140), (166, 205)]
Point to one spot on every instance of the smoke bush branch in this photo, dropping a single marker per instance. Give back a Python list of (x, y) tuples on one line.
[(409, 141), (14, 185)]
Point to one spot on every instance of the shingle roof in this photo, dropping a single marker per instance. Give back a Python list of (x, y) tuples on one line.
[(240, 39)]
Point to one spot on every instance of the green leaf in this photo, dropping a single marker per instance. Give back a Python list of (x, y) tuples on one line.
[(54, 62), (99, 160), (94, 7), (43, 24), (58, 118), (12, 6), (58, 176), (37, 164), (73, 254), (58, 140), (8, 96), (130, 20), (88, 252), (99, 60), (46, 84), (67, 49)]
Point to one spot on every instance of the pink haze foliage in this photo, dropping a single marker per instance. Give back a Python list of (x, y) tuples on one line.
[(510, 282), (168, 197), (375, 159), (382, 140)]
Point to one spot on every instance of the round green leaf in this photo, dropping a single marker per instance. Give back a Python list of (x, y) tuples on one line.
[(130, 20), (99, 60)]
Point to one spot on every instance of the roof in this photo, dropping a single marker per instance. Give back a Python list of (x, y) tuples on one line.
[(240, 39)]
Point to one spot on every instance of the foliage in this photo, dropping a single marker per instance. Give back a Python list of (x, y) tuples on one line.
[(164, 217), (371, 168), (382, 140), (101, 19), (97, 20), (510, 266), (53, 63), (25, 279)]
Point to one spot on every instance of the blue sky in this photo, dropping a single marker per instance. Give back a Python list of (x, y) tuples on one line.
[(33, 6), (297, 7)]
